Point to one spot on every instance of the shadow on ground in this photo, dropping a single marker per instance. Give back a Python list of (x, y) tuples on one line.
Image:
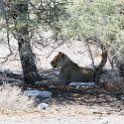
[(63, 95), (93, 96)]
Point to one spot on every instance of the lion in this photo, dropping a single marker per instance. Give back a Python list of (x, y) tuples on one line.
[(70, 71)]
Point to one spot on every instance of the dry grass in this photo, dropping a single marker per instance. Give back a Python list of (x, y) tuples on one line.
[(116, 86), (12, 100), (114, 83)]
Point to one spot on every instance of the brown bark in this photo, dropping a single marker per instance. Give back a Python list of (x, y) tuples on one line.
[(99, 68), (27, 57), (30, 71)]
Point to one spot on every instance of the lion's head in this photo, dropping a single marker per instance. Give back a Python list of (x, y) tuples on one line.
[(59, 60)]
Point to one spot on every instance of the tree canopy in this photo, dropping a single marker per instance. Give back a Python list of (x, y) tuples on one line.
[(45, 13), (101, 18)]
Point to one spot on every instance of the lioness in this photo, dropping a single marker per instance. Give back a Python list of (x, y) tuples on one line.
[(70, 71)]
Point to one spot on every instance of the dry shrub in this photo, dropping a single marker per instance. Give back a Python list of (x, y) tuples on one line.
[(13, 100), (115, 86), (113, 81)]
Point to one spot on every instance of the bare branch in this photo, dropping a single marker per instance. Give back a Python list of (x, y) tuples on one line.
[(6, 58), (91, 54)]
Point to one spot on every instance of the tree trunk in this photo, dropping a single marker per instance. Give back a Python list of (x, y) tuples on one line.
[(99, 68), (27, 57), (20, 16)]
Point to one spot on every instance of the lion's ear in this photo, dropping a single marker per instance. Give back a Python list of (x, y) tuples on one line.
[(60, 53), (63, 55)]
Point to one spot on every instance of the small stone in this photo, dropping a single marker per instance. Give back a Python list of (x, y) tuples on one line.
[(79, 84), (42, 106), (38, 93)]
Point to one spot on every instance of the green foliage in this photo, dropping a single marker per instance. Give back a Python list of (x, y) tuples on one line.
[(44, 13), (101, 18), (49, 14), (84, 18)]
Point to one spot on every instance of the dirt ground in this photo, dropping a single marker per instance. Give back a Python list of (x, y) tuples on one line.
[(73, 107), (62, 120), (70, 107), (71, 113)]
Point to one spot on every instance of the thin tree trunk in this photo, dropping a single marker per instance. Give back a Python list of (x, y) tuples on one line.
[(99, 68)]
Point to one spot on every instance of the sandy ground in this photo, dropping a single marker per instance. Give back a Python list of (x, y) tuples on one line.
[(73, 109), (64, 120), (70, 113)]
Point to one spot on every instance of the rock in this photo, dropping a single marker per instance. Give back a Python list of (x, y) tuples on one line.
[(38, 93), (80, 84), (122, 97), (42, 106)]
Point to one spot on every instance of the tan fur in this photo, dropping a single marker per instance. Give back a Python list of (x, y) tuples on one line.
[(70, 71)]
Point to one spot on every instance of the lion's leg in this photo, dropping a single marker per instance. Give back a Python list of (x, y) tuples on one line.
[(63, 78)]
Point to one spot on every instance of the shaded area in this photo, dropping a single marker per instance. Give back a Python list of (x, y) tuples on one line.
[(10, 77), (68, 95)]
